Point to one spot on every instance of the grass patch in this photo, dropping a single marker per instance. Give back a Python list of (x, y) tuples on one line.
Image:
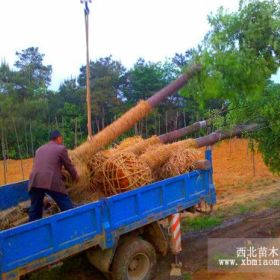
[(220, 214), (273, 203), (241, 209), (187, 276), (201, 222)]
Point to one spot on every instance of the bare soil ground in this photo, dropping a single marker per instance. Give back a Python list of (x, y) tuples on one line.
[(264, 224), (232, 161)]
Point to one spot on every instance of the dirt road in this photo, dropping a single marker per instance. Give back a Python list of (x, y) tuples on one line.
[(262, 225)]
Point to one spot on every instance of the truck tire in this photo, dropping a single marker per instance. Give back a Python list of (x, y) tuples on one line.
[(135, 259)]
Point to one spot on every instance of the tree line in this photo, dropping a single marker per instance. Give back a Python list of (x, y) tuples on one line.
[(30, 109)]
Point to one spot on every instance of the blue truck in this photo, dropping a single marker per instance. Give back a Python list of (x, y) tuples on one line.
[(120, 234)]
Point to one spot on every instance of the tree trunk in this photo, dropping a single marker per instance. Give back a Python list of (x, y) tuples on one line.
[(177, 119), (146, 127), (31, 139), (174, 86), (135, 129), (135, 114), (76, 131), (177, 134), (26, 141), (158, 124), (6, 142), (97, 124), (4, 157), (19, 151), (184, 115), (166, 123), (220, 135), (103, 117)]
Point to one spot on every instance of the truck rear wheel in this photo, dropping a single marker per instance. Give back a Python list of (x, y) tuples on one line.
[(135, 259)]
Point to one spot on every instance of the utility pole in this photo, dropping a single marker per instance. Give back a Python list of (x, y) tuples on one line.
[(89, 123)]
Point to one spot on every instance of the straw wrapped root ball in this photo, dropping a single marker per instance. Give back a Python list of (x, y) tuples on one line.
[(95, 168), (128, 142), (180, 162), (141, 147), (160, 154), (76, 189), (124, 172)]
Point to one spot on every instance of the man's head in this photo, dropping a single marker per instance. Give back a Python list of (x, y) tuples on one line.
[(56, 137)]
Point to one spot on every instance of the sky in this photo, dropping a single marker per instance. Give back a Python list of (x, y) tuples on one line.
[(125, 29)]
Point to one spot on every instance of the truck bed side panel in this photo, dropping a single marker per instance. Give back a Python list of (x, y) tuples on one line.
[(42, 238), (157, 201)]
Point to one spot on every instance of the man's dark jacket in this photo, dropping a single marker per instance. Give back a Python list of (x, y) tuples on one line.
[(46, 172)]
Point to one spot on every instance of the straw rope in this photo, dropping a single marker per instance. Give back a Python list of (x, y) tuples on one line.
[(95, 167), (180, 162), (157, 157), (124, 172), (75, 189), (141, 147), (129, 142)]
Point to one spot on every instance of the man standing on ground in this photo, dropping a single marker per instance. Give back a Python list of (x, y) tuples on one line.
[(46, 176)]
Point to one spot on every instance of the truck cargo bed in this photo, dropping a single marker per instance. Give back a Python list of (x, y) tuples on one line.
[(34, 245)]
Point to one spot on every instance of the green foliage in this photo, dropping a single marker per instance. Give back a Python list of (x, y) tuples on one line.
[(26, 101), (30, 64), (107, 83), (239, 54), (268, 137), (265, 112), (144, 79)]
